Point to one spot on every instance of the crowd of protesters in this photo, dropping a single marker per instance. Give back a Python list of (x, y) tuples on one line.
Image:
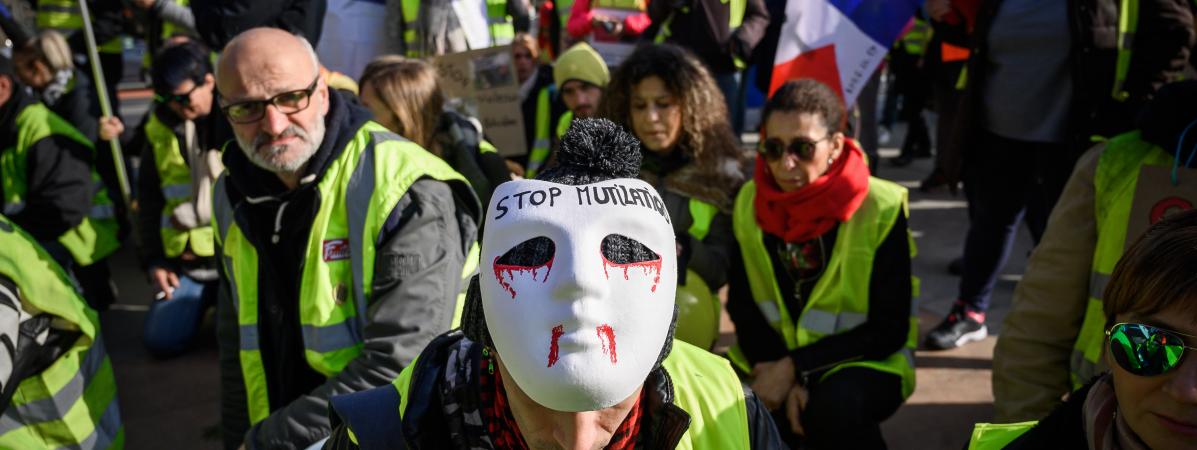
[(383, 275)]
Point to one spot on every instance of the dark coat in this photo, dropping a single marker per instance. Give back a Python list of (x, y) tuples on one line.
[(1160, 51)]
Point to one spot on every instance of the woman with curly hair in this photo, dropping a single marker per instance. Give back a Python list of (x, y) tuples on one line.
[(405, 96), (666, 97)]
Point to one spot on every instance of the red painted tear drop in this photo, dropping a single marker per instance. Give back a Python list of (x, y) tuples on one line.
[(607, 337), (558, 331)]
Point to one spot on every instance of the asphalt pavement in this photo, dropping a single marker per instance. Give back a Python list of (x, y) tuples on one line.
[(174, 403)]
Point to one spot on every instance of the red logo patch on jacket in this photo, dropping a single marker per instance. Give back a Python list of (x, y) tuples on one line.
[(336, 249)]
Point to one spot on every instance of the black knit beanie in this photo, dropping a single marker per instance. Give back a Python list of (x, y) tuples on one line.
[(593, 150)]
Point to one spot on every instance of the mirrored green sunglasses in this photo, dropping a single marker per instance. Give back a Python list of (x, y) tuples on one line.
[(1147, 350)]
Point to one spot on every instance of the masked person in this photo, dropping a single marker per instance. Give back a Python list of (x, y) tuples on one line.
[(406, 97), (342, 245), (49, 187), (563, 346), (665, 96), (57, 388), (1148, 399), (820, 289), (180, 152)]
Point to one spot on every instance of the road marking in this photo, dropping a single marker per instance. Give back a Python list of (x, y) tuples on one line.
[(127, 307)]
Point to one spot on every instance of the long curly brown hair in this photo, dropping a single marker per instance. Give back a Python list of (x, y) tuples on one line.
[(706, 135)]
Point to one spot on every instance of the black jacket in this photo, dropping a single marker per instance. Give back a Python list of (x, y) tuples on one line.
[(58, 191), (702, 27), (459, 145), (883, 333), (219, 21), (424, 426), (1160, 52), (419, 257), (1063, 429)]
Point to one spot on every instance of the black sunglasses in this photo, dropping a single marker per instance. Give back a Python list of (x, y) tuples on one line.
[(775, 148), (290, 102), (1146, 350), (183, 99)]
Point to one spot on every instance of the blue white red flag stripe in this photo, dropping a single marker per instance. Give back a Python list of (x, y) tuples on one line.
[(838, 42)]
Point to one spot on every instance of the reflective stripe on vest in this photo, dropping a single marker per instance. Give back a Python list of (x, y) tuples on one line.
[(72, 403), (840, 299), (95, 237), (1114, 185), (704, 386), (502, 30), (540, 145), (1128, 24), (174, 177), (995, 436), (360, 189)]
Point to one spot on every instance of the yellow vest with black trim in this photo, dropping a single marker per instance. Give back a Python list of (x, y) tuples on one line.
[(65, 17), (411, 38), (72, 403), (95, 237), (996, 436), (174, 177), (704, 385), (502, 30), (358, 191), (1114, 192), (735, 17), (917, 38), (840, 299)]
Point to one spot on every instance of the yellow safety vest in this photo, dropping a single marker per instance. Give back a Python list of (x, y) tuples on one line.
[(1114, 186), (541, 143), (357, 199), (995, 436), (704, 385), (96, 236), (411, 16), (735, 18), (698, 305), (502, 30), (174, 177), (72, 403), (840, 299), (916, 40), (65, 17)]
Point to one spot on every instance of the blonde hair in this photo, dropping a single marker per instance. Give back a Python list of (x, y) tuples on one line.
[(409, 89), (50, 48), (526, 40)]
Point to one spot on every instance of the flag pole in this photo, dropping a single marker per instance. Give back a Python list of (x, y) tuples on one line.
[(97, 74)]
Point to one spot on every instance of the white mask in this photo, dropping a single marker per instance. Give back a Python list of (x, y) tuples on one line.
[(578, 332)]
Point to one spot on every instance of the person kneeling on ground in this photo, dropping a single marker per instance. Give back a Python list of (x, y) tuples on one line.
[(562, 347), (1148, 399), (820, 291)]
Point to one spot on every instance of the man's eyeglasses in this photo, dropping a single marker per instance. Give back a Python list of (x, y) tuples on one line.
[(1145, 350), (182, 99), (774, 148), (287, 103)]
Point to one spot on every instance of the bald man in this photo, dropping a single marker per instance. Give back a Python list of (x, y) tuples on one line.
[(342, 245)]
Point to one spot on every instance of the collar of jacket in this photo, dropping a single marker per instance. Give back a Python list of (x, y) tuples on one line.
[(9, 111), (423, 425), (257, 184)]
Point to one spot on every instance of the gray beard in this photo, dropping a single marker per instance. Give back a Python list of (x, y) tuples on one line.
[(310, 143)]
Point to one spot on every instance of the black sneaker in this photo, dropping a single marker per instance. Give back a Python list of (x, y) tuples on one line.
[(957, 329)]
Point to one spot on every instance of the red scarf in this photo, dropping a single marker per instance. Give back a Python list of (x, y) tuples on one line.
[(812, 210)]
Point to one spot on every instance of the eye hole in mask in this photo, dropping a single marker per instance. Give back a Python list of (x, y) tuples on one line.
[(622, 252), (530, 257)]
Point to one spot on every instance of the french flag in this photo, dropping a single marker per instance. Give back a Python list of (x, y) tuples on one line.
[(838, 42)]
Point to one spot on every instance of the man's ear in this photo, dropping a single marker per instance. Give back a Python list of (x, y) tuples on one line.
[(6, 88)]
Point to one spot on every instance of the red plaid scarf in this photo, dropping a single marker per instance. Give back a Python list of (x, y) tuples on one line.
[(505, 432)]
